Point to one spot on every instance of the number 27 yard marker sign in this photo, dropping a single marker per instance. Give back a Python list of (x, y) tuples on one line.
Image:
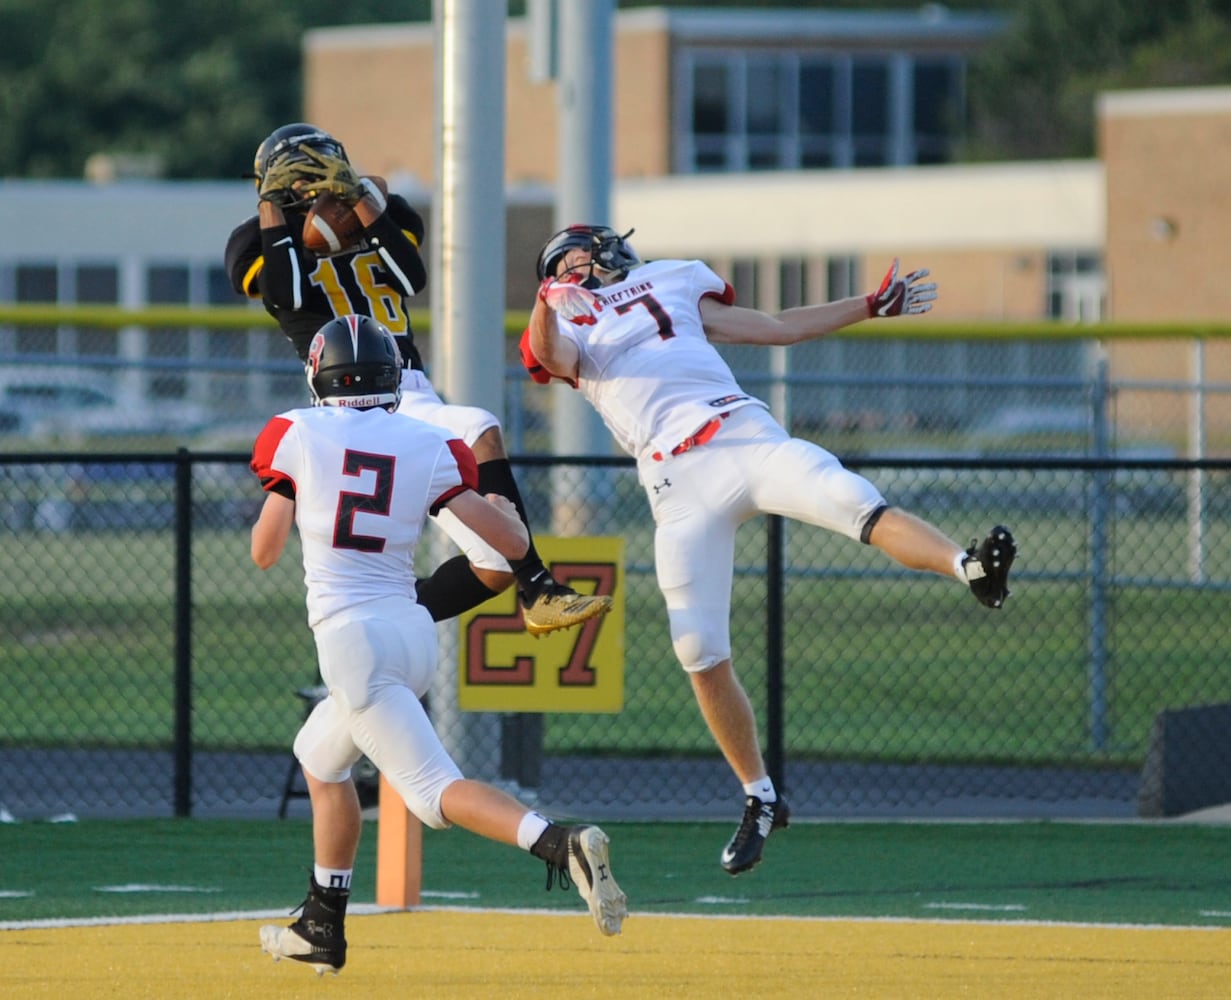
[(502, 668)]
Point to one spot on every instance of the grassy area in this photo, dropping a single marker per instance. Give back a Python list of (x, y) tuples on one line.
[(880, 665), (1122, 873)]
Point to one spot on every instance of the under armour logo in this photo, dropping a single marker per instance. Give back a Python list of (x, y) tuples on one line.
[(602, 873), (659, 487)]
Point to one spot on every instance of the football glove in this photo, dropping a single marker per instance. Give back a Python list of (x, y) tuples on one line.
[(570, 300), (897, 296), (278, 184), (327, 173)]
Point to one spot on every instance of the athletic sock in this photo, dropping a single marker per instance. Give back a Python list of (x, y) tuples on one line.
[(533, 825), (332, 878), (763, 789)]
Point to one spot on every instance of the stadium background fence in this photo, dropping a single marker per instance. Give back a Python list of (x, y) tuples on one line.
[(151, 670)]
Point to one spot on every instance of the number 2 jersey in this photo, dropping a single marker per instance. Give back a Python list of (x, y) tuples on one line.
[(646, 364), (363, 482), (303, 292)]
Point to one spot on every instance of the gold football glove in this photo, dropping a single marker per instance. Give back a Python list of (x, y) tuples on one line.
[(327, 173)]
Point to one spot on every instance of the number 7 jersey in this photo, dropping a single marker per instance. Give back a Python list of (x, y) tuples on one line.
[(646, 364)]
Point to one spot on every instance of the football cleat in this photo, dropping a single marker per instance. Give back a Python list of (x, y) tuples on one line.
[(987, 566), (557, 606), (590, 869), (317, 938), (743, 852)]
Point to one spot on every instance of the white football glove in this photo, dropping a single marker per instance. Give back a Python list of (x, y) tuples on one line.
[(568, 299), (897, 296)]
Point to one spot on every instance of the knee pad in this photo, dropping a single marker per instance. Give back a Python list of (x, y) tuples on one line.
[(700, 640)]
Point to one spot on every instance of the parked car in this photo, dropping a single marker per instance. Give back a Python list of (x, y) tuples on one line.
[(45, 409)]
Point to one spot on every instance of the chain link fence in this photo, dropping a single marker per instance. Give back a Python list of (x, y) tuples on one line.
[(150, 669)]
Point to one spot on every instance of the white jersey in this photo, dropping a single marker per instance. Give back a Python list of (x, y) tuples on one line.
[(646, 364), (363, 482)]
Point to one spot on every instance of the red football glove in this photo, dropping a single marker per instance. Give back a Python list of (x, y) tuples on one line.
[(570, 300), (902, 295)]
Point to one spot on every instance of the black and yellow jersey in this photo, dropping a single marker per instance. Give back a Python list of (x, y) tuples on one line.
[(303, 291)]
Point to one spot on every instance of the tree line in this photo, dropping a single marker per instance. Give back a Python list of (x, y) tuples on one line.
[(198, 85)]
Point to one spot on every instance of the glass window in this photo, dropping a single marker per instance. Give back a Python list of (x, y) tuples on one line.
[(710, 99), (98, 283), (786, 109), (167, 285), (792, 282), (766, 114), (744, 281), (37, 283), (765, 155), (842, 276), (816, 155), (816, 99), (710, 155), (1076, 286), (869, 97), (219, 289)]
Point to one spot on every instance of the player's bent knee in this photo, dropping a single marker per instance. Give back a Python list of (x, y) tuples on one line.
[(696, 656), (424, 792), (700, 640), (865, 533)]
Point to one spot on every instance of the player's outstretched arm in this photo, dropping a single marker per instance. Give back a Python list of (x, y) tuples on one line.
[(907, 295), (726, 324)]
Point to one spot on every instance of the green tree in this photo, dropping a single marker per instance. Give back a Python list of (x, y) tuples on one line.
[(1033, 94), (196, 84)]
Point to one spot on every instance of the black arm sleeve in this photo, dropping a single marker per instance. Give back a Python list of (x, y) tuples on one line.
[(284, 269), (397, 235)]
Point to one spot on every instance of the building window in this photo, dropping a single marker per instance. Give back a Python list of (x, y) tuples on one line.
[(842, 277), (792, 282), (167, 285), (744, 281), (218, 288), (1076, 287), (937, 105), (37, 283), (871, 134), (98, 283), (792, 109)]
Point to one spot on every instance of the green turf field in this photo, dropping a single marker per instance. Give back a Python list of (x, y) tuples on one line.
[(1134, 873)]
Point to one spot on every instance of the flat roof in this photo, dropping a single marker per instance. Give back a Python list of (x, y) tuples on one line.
[(1164, 101), (1053, 204)]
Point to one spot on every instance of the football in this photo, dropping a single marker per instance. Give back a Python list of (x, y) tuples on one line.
[(331, 226)]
